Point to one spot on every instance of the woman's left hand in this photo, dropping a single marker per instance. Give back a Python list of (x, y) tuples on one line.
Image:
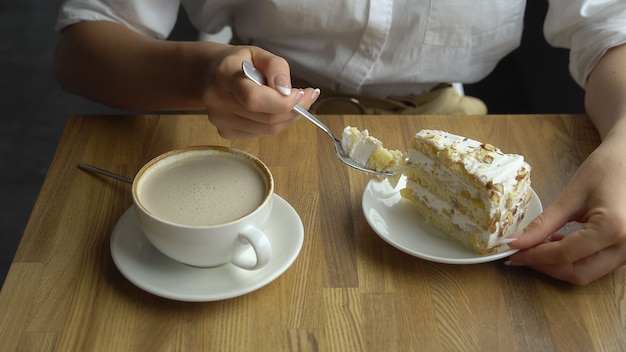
[(596, 198)]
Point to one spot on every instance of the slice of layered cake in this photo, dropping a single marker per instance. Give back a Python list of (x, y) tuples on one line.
[(369, 151), (471, 190)]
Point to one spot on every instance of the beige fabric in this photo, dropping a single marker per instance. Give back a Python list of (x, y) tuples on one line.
[(442, 100)]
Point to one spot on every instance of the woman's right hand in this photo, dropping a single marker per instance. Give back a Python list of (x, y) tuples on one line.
[(238, 107)]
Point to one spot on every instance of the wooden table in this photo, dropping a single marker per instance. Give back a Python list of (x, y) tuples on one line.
[(347, 290)]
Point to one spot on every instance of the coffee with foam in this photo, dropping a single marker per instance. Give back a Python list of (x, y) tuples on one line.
[(203, 190)]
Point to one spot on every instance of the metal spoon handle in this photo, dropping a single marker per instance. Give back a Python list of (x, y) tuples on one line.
[(97, 170)]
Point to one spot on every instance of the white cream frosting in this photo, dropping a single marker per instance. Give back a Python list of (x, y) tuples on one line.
[(359, 145), (502, 168)]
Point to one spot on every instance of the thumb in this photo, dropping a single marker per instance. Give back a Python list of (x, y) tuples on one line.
[(545, 224)]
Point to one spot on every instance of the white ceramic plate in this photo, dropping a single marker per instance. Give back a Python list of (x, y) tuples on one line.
[(150, 270), (399, 224)]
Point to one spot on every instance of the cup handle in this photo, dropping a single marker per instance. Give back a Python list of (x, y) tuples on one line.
[(254, 237)]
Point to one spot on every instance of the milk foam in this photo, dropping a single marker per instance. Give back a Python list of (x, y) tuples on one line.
[(203, 190)]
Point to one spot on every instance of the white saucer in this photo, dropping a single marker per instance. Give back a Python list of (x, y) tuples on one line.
[(399, 224), (150, 270)]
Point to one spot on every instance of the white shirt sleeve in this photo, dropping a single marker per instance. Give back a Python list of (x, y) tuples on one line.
[(588, 28), (154, 18)]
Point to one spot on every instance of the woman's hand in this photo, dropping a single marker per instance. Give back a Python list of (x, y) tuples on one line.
[(240, 108), (596, 198)]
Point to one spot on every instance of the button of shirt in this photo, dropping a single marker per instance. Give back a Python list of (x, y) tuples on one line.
[(369, 52)]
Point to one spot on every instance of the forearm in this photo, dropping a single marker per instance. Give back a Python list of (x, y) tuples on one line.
[(116, 66), (605, 97)]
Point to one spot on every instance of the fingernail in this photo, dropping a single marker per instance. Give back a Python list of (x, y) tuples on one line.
[(282, 85), (299, 96), (506, 240), (316, 93)]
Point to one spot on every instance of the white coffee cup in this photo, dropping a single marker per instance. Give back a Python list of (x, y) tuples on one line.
[(206, 206)]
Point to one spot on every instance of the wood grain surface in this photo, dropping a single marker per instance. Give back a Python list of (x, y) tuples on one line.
[(348, 290)]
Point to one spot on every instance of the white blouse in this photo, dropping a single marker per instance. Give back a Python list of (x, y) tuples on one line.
[(378, 47)]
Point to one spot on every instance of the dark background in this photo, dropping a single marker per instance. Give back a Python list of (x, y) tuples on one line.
[(34, 110)]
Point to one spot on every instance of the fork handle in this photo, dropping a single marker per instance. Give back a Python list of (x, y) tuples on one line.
[(302, 111)]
